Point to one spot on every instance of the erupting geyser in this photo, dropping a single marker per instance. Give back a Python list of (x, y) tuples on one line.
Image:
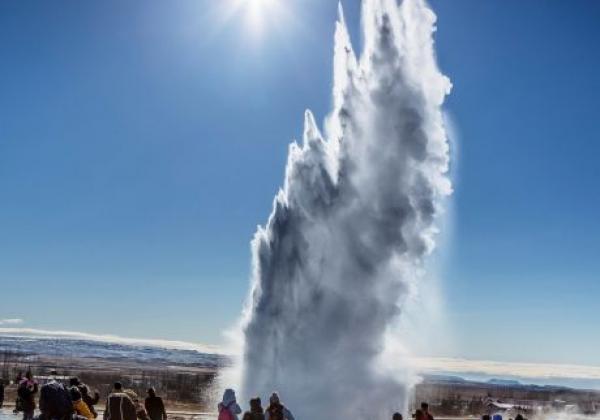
[(352, 224)]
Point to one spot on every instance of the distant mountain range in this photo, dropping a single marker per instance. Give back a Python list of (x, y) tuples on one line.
[(494, 382), (80, 348), (504, 382)]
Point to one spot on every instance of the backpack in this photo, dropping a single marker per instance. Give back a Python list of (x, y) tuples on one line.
[(276, 412), (22, 391), (55, 401), (225, 414)]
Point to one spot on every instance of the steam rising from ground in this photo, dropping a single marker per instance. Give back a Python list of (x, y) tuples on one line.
[(345, 242), (563, 415)]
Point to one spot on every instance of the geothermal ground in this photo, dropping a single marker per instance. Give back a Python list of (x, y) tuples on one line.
[(186, 378)]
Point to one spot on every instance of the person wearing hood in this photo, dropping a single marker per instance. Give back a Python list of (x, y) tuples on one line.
[(85, 395), (88, 399), (229, 408), (256, 411), (276, 410), (79, 406)]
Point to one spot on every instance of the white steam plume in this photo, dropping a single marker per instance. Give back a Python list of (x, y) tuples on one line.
[(345, 242)]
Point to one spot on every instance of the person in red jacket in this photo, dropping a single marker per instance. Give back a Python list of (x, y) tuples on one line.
[(228, 407)]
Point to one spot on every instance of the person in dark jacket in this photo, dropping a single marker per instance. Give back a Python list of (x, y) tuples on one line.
[(276, 410), (155, 406), (1, 393), (256, 411), (119, 405), (27, 390), (55, 402), (18, 380)]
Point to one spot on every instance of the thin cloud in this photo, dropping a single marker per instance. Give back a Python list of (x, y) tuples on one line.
[(11, 321)]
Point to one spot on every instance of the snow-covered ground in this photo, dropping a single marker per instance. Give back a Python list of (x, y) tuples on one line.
[(61, 347)]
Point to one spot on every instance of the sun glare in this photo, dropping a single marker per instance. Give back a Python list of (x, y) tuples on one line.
[(258, 14)]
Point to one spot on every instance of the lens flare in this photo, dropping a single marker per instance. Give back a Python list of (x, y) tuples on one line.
[(258, 15)]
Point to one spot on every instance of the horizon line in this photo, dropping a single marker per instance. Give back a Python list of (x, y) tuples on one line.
[(424, 365)]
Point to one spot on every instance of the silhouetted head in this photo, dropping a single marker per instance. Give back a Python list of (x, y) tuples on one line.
[(256, 405), (74, 381), (487, 417), (519, 417), (29, 375), (425, 407), (75, 394), (151, 392), (118, 386), (397, 416), (274, 399)]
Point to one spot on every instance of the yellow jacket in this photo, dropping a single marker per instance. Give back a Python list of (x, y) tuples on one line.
[(82, 409)]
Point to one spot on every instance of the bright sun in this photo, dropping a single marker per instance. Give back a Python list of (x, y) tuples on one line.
[(259, 11), (258, 14)]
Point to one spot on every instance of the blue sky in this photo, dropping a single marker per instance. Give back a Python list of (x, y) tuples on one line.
[(142, 142)]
